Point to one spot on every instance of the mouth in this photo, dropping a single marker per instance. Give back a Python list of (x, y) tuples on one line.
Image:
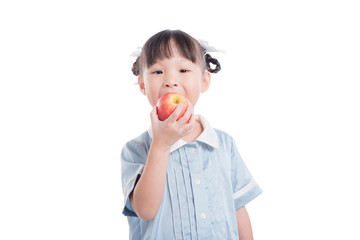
[(172, 92)]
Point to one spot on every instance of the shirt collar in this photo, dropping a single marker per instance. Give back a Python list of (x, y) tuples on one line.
[(208, 136)]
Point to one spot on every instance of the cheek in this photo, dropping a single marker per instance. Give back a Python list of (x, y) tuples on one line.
[(152, 101), (193, 96), (152, 95)]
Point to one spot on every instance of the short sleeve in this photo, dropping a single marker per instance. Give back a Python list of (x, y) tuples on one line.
[(133, 157), (245, 187)]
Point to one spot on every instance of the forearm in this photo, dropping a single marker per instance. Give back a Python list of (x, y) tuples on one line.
[(148, 193), (244, 224)]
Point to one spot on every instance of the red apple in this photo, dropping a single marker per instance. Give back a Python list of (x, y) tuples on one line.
[(167, 104)]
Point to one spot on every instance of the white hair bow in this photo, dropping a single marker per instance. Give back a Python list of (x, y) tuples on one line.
[(136, 53), (209, 48)]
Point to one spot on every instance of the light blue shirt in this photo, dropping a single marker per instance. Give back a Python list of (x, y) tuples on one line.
[(206, 182)]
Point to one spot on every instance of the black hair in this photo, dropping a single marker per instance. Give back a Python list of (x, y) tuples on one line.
[(159, 47)]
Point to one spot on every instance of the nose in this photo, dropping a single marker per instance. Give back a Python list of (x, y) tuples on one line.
[(170, 82), (169, 85)]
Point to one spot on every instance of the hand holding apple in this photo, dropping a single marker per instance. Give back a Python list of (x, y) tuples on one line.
[(171, 122), (167, 104)]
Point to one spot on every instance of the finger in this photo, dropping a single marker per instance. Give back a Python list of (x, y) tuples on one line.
[(192, 120), (186, 118), (175, 115), (189, 125), (192, 116), (186, 129)]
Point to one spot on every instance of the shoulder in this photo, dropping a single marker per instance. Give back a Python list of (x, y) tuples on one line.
[(137, 148), (141, 139), (224, 138)]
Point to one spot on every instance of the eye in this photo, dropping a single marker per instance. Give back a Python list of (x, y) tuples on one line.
[(184, 71), (158, 72)]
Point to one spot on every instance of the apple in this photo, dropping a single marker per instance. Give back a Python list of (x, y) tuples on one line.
[(167, 104)]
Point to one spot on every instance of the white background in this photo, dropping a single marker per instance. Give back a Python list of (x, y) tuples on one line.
[(288, 93)]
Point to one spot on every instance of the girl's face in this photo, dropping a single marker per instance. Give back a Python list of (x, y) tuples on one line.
[(176, 74)]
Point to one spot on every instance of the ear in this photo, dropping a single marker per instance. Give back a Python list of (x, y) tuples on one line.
[(141, 85), (205, 82)]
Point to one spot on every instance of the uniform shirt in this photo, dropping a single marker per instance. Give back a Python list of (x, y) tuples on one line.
[(206, 182)]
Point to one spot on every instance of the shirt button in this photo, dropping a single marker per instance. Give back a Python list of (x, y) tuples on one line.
[(192, 150), (203, 216), (197, 181)]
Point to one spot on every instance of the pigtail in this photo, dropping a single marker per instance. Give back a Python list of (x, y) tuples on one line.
[(208, 60), (136, 68)]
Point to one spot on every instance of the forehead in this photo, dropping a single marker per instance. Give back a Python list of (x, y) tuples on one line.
[(175, 58), (163, 48)]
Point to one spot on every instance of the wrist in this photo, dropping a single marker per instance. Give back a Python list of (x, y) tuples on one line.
[(158, 145)]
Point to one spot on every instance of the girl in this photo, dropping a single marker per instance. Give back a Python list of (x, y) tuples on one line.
[(182, 179)]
